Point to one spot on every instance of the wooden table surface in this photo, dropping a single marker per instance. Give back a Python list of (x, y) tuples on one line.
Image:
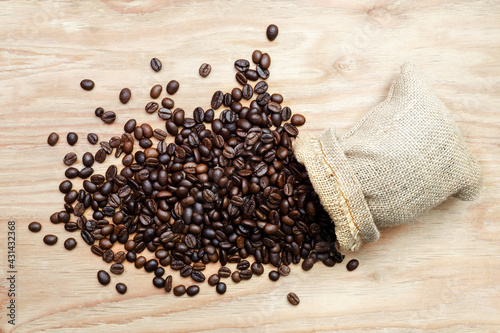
[(332, 61)]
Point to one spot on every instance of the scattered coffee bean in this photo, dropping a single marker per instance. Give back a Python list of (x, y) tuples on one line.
[(205, 70), (192, 290), (125, 95), (224, 272), (70, 244), (293, 299), (103, 277), (92, 138), (168, 283), (34, 227), (88, 159), (108, 117), (99, 112), (156, 64), (220, 288), (213, 279), (256, 56), (156, 91), (167, 103), (121, 288), (72, 138), (87, 84), (53, 138), (158, 282), (298, 120), (117, 269), (65, 186), (274, 275), (50, 239), (352, 265), (70, 159), (172, 87), (179, 290), (272, 32)]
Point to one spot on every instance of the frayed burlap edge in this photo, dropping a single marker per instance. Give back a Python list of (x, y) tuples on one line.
[(338, 188)]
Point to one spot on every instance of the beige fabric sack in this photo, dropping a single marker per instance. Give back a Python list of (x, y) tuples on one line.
[(404, 157)]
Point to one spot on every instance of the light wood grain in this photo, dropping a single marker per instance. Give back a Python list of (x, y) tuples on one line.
[(332, 61)]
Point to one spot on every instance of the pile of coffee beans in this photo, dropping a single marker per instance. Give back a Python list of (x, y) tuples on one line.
[(203, 189)]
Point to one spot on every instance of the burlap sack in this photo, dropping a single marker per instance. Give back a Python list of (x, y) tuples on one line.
[(404, 157)]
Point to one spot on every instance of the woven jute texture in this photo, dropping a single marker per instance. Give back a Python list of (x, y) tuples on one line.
[(403, 158)]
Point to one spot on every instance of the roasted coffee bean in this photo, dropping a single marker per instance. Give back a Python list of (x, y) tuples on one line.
[(172, 87), (99, 112), (70, 244), (352, 265), (224, 272), (106, 147), (241, 65), (265, 61), (256, 55), (159, 272), (103, 277), (298, 120), (167, 103), (257, 268), (168, 284), (308, 264), (87, 84), (192, 290), (129, 126), (117, 269), (158, 282), (246, 274), (247, 91), (165, 114), (272, 32), (205, 70), (53, 138), (293, 299), (197, 276), (65, 186), (85, 172), (241, 78), (151, 107), (156, 91), (261, 87), (186, 271), (274, 275), (262, 73), (121, 288), (217, 99), (221, 288), (92, 138), (252, 75), (125, 95), (213, 279), (72, 138), (108, 255), (34, 227), (179, 290), (108, 117), (50, 239), (151, 265), (284, 270), (87, 159), (100, 156), (119, 256), (156, 64)]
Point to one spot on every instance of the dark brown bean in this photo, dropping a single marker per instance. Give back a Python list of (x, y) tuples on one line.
[(108, 117), (35, 227), (172, 87), (70, 159), (156, 64), (156, 91), (293, 299), (53, 138), (92, 138), (125, 95), (192, 290), (70, 244), (121, 288), (50, 239), (352, 265), (87, 84), (103, 277), (179, 290), (205, 70)]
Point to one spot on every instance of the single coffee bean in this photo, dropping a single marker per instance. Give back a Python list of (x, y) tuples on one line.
[(72, 138), (88, 159), (168, 283), (272, 32), (352, 265), (100, 156), (213, 279), (265, 61), (221, 288), (217, 99), (235, 276), (71, 173), (50, 239), (298, 120), (158, 282), (151, 107), (53, 138), (121, 288), (87, 84), (156, 64), (34, 227), (284, 270), (99, 112), (130, 125), (120, 256), (256, 55), (205, 70), (197, 276), (246, 274), (125, 95), (192, 290), (70, 159), (241, 78), (159, 271), (286, 113), (274, 275), (165, 114), (65, 186), (224, 272), (167, 103), (116, 269), (108, 117), (108, 255), (241, 65), (85, 172), (308, 264), (179, 290), (172, 87), (293, 299), (103, 277), (156, 91), (151, 265), (257, 268), (92, 138), (70, 244)]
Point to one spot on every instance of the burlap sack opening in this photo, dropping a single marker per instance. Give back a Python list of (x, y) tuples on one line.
[(404, 157)]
